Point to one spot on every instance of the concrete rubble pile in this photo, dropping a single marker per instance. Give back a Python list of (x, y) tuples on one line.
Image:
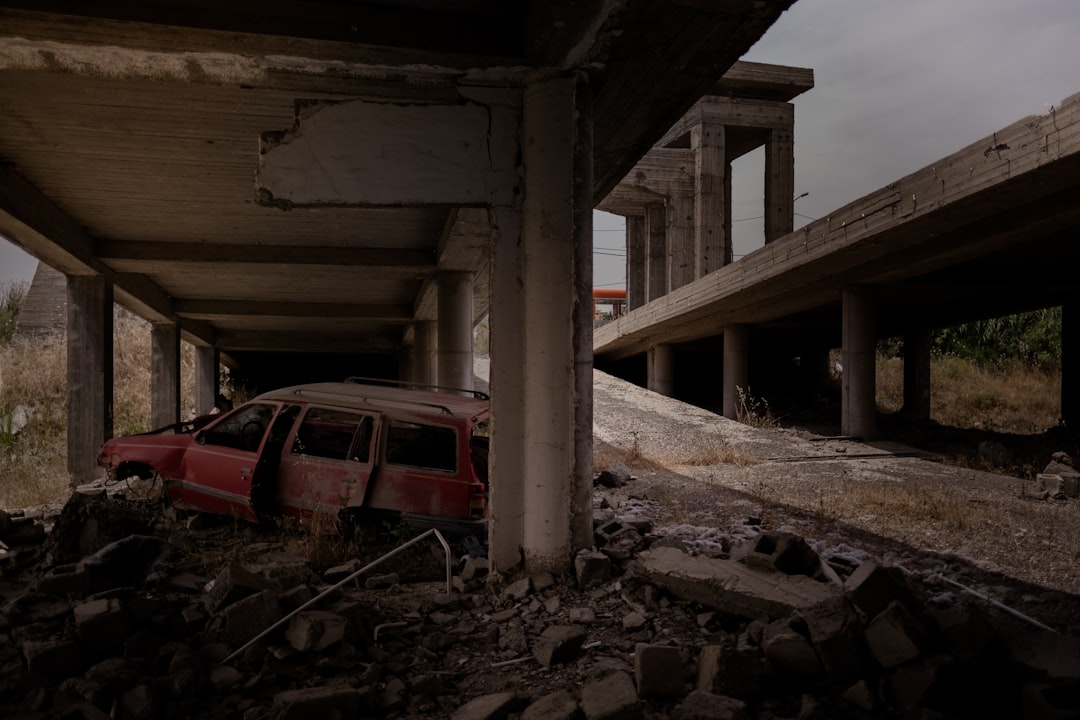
[(118, 615), (1059, 480)]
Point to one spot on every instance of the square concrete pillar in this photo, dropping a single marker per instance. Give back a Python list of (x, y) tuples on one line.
[(736, 367), (656, 274), (556, 247), (207, 378), (636, 247), (711, 239), (89, 373), (680, 240), (917, 374), (779, 184), (859, 404), (164, 374), (661, 364), (455, 330)]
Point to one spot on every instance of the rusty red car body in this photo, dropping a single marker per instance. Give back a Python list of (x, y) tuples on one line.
[(326, 447)]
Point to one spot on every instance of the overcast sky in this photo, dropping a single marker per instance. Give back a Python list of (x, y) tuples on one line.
[(898, 85)]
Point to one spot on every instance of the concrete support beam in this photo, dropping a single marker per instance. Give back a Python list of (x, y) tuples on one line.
[(455, 330), (1070, 364), (556, 255), (917, 374), (424, 348), (661, 362), (729, 252), (89, 373), (681, 252), (736, 367), (656, 275), (164, 374), (207, 378), (779, 183), (859, 406), (636, 248), (710, 206)]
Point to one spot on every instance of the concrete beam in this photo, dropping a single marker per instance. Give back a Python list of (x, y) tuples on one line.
[(732, 112), (89, 373), (858, 402), (286, 341), (164, 374), (209, 309), (362, 153), (154, 253), (764, 81)]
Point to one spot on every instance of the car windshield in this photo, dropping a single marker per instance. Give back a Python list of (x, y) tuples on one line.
[(243, 429)]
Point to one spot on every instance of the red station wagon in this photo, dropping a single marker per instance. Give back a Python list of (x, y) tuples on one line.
[(325, 447)]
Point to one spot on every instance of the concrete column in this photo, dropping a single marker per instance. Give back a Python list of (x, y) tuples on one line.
[(89, 373), (656, 276), (164, 374), (207, 378), (506, 456), (917, 374), (424, 347), (635, 261), (405, 358), (662, 369), (729, 247), (680, 237), (556, 236), (736, 367), (859, 405), (710, 208), (1070, 364), (455, 330), (779, 184)]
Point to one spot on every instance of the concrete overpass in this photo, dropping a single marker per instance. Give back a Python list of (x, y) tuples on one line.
[(350, 178), (987, 231)]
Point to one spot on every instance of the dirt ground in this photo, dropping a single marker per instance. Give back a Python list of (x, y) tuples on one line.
[(700, 471)]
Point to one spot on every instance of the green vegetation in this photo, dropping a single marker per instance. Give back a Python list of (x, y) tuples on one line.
[(12, 296)]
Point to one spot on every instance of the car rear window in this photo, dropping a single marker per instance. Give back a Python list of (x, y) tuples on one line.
[(334, 434), (426, 446)]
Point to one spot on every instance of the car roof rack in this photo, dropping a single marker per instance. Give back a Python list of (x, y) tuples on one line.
[(478, 394), (378, 401)]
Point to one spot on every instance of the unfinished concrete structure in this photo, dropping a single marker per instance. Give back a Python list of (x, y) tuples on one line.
[(975, 235), (357, 181)]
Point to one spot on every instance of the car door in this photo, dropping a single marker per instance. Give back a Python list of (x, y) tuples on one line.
[(329, 464), (219, 467)]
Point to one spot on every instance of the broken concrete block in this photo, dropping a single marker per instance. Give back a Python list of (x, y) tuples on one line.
[(542, 581), (559, 705), (632, 622), (294, 598), (315, 630), (102, 626), (861, 695), (1058, 656), (474, 568), (723, 670), (910, 684), (139, 703), (1050, 484), (658, 670), (64, 580), (518, 590), (782, 551), (836, 634), (789, 654), (55, 659), (249, 617), (872, 587), (225, 677), (611, 698), (338, 573), (232, 584), (326, 701), (592, 568), (731, 586), (512, 638), (615, 476), (382, 582), (618, 541), (582, 615), (894, 636), (701, 705), (496, 706), (558, 643)]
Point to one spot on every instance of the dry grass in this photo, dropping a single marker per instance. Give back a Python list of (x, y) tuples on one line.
[(33, 374), (1014, 399), (721, 454), (754, 411)]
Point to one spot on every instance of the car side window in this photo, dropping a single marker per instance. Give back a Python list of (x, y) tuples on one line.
[(334, 434), (243, 430), (426, 446)]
